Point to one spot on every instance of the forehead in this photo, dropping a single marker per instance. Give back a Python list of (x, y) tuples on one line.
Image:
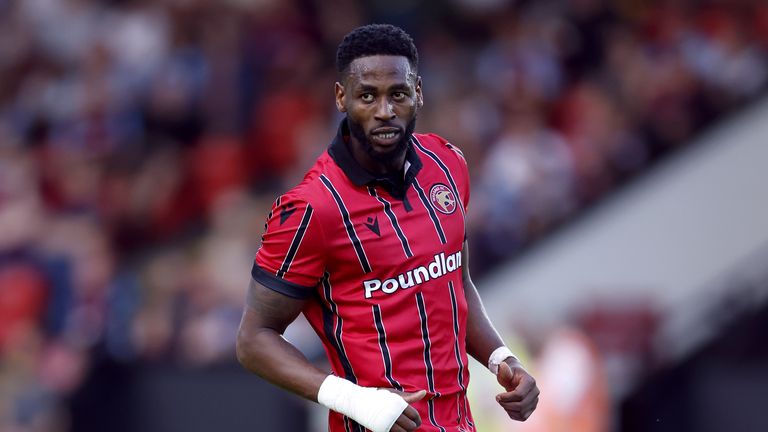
[(378, 68)]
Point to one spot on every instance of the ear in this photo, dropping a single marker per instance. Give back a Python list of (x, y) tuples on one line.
[(340, 96), (419, 95)]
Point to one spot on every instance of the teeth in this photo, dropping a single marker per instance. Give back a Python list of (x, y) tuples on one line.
[(388, 135)]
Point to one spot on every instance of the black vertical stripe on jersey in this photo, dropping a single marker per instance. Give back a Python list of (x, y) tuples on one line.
[(456, 149), (296, 242), (393, 220), (272, 211), (361, 257), (443, 167), (349, 423), (384, 349), (334, 336), (456, 349), (466, 410), (427, 342), (432, 419), (430, 210), (427, 356), (269, 216)]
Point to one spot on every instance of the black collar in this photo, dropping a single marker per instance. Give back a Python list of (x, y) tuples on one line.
[(394, 184)]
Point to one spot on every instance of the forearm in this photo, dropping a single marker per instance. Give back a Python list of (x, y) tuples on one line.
[(521, 396), (482, 337), (263, 351), (267, 354)]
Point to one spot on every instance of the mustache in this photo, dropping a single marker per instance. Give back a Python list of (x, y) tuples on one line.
[(387, 125)]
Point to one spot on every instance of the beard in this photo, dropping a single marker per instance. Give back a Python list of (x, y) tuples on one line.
[(386, 158)]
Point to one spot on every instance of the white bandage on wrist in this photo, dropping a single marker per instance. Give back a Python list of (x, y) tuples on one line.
[(374, 409), (497, 356)]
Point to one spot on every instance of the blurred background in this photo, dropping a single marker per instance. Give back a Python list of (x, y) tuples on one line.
[(618, 223)]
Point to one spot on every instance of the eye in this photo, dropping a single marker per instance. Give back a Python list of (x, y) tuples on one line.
[(398, 96), (366, 97)]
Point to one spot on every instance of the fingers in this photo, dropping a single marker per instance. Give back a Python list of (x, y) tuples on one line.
[(516, 391), (519, 408), (523, 415), (520, 404), (408, 421), (408, 397), (411, 414), (522, 396), (397, 428), (413, 397)]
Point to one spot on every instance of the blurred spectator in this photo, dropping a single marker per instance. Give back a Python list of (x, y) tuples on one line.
[(526, 183), (571, 370)]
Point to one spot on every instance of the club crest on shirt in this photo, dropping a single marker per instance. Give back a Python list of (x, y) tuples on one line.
[(442, 198)]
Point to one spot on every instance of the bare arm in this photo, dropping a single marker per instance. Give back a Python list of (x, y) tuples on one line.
[(482, 337), (262, 349), (521, 395)]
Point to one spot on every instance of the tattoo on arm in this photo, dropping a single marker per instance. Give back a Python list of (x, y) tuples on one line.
[(275, 311)]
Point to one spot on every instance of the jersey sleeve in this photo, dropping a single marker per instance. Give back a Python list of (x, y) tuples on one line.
[(291, 259)]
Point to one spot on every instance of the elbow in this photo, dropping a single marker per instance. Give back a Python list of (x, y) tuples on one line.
[(243, 348), (249, 348)]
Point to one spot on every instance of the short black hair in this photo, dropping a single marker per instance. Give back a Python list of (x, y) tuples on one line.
[(375, 39)]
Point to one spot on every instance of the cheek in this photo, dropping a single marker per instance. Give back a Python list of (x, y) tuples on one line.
[(360, 114), (408, 109)]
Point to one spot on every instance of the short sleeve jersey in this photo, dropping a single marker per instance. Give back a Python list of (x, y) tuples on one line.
[(380, 264)]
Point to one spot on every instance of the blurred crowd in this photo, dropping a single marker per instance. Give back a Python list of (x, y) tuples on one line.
[(142, 142)]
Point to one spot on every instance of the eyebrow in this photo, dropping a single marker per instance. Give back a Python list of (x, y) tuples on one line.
[(372, 88)]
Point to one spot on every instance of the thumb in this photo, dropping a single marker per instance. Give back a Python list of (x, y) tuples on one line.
[(505, 376), (413, 397)]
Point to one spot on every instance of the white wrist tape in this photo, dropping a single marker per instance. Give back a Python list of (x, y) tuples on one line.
[(497, 356), (374, 409)]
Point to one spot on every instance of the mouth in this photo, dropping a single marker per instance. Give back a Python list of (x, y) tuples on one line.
[(386, 136)]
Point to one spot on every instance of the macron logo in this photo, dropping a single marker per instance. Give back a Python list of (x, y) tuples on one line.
[(439, 267)]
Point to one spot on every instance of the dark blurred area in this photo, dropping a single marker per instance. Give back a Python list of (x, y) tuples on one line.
[(142, 143), (721, 387)]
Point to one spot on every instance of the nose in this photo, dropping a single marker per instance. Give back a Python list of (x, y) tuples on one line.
[(384, 110)]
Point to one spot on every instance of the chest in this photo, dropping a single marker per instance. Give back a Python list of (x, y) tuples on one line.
[(385, 236)]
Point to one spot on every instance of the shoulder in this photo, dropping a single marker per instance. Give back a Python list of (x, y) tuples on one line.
[(311, 191), (439, 147)]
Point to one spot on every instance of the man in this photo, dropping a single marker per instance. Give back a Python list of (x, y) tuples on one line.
[(371, 247)]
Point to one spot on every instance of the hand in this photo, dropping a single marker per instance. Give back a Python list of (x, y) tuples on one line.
[(409, 420), (522, 395)]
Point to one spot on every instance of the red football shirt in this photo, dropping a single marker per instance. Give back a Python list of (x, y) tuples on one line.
[(380, 261)]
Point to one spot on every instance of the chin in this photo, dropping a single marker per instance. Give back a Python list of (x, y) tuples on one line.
[(387, 155)]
